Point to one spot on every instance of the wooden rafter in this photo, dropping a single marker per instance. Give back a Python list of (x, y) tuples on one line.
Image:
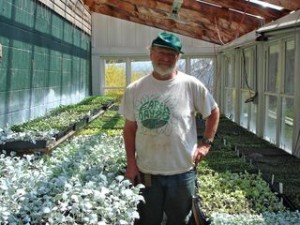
[(215, 21), (253, 9), (290, 5)]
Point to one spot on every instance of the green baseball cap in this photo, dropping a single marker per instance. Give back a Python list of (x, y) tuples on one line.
[(168, 40)]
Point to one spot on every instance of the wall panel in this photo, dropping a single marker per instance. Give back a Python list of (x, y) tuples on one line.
[(46, 57)]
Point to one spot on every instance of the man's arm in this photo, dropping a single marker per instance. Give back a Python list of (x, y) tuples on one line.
[(211, 126), (129, 133)]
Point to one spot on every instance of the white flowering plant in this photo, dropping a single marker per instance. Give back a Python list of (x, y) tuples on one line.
[(8, 135), (81, 182), (266, 218)]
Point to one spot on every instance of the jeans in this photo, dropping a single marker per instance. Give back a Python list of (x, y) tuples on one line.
[(171, 195)]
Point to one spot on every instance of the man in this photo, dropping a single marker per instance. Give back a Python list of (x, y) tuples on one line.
[(160, 134)]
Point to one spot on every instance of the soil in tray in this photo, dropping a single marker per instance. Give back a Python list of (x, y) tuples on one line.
[(230, 128), (80, 124), (16, 145), (233, 166), (265, 151), (294, 196), (96, 111), (280, 161), (216, 154), (246, 140), (64, 132), (272, 158)]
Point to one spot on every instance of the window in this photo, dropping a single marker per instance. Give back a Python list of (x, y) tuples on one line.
[(203, 69), (271, 118), (229, 71), (119, 72), (289, 71), (287, 98), (271, 93), (115, 77), (279, 94), (181, 65), (248, 106), (139, 69), (248, 74), (272, 82), (287, 123), (230, 91)]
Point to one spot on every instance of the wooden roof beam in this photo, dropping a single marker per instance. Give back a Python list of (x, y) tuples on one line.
[(286, 4), (165, 6), (250, 8), (205, 9), (162, 23)]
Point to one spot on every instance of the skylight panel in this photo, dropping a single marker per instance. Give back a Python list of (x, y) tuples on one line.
[(266, 4)]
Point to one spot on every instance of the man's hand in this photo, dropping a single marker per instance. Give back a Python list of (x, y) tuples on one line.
[(211, 125), (132, 171), (200, 153), (133, 174)]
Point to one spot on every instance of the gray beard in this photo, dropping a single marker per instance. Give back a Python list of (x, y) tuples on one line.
[(162, 72)]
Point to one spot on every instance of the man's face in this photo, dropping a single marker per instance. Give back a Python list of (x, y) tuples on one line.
[(163, 60)]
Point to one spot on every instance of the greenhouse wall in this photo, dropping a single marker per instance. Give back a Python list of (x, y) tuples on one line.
[(45, 58), (259, 83)]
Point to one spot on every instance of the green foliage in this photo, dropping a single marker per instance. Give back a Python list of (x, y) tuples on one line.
[(114, 75), (135, 76), (115, 78), (230, 185), (98, 100), (110, 123), (236, 193), (64, 116)]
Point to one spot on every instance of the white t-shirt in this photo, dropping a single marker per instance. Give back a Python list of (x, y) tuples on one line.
[(166, 135)]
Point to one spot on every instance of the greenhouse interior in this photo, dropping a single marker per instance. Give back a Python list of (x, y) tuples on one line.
[(65, 66)]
